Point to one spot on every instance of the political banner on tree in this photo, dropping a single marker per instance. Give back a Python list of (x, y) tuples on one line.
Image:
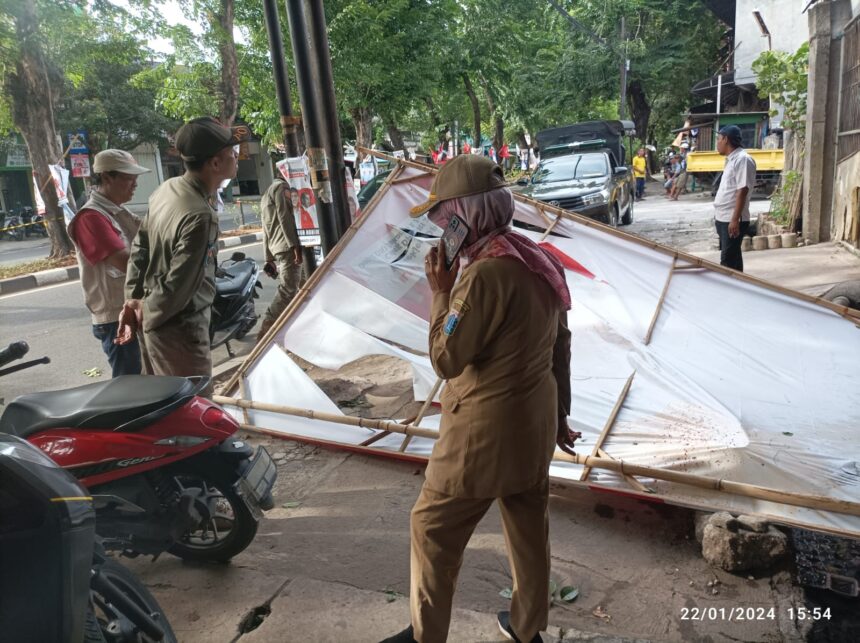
[(61, 184)]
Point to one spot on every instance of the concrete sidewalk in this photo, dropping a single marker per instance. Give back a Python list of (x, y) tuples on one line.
[(331, 564), (60, 275)]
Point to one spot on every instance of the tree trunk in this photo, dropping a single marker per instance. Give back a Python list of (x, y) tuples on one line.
[(640, 109), (222, 24), (33, 114), (476, 109), (362, 120), (498, 121), (395, 135)]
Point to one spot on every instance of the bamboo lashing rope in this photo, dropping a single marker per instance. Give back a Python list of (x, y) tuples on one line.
[(633, 482), (424, 408), (660, 302), (809, 501), (610, 422)]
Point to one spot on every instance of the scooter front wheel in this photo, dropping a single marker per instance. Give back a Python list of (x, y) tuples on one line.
[(227, 531)]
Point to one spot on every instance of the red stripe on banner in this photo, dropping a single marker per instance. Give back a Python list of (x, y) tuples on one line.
[(566, 260)]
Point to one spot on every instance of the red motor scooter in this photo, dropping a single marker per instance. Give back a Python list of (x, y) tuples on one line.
[(164, 466)]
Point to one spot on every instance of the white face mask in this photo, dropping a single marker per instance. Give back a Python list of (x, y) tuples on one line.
[(224, 184)]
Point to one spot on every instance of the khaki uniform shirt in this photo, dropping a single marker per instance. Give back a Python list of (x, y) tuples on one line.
[(501, 341), (102, 283), (173, 258), (279, 223)]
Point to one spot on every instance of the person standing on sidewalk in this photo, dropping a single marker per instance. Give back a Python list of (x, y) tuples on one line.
[(639, 169), (171, 274), (283, 250), (102, 232), (732, 202), (500, 338)]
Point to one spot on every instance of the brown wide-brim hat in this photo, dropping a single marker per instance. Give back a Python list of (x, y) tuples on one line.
[(117, 161), (463, 175), (203, 138)]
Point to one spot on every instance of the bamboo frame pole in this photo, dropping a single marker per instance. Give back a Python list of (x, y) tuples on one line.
[(422, 412), (809, 501), (845, 311), (409, 179), (660, 301), (610, 422), (244, 393), (311, 283), (348, 420)]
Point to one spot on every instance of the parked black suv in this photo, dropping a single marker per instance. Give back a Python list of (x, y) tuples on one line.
[(580, 171)]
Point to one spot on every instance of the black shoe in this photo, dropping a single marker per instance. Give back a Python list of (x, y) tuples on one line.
[(504, 619), (406, 636)]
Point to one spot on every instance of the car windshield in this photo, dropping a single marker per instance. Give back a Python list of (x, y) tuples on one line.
[(575, 166)]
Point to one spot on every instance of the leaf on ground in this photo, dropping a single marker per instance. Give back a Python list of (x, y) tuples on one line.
[(291, 505), (391, 595), (93, 372), (787, 433), (568, 594), (507, 593), (599, 612), (553, 588)]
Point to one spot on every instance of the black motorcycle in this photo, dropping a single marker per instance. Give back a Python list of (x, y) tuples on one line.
[(34, 224), (233, 314), (11, 227), (57, 584)]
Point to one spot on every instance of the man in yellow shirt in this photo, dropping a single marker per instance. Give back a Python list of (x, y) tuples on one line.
[(639, 164)]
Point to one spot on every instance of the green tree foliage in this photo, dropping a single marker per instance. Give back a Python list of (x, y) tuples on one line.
[(783, 77)]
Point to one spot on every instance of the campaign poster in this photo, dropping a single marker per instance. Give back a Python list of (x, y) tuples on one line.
[(61, 183), (80, 165), (297, 175)]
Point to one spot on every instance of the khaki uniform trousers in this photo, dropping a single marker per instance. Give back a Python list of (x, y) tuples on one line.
[(179, 348), (289, 281), (442, 525)]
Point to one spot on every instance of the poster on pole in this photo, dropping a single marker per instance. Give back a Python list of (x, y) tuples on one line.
[(351, 196), (80, 165), (77, 142), (296, 173)]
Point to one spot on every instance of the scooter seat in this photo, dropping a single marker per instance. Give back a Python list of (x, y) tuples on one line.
[(236, 279), (124, 403)]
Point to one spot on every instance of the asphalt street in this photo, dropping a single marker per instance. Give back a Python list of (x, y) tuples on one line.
[(34, 248), (54, 322)]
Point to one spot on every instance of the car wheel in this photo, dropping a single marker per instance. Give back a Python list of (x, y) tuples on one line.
[(614, 215), (627, 219)]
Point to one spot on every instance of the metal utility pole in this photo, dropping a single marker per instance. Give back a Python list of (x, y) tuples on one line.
[(282, 80), (328, 107), (306, 77), (622, 107)]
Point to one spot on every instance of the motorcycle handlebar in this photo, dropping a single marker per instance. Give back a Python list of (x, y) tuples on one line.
[(15, 350)]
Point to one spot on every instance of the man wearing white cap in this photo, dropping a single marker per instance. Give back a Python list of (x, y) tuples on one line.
[(102, 232)]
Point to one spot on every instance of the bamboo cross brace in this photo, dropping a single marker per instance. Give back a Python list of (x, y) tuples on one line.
[(809, 501), (552, 225), (660, 303), (610, 422), (409, 179), (422, 412), (633, 482)]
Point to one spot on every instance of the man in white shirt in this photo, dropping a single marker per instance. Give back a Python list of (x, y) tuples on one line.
[(732, 203)]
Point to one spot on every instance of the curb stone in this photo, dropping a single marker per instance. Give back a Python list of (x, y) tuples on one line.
[(61, 275)]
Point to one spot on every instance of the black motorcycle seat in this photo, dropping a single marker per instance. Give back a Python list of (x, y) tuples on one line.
[(124, 403), (236, 278)]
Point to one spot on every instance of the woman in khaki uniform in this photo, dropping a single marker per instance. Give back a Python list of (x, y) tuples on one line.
[(499, 337)]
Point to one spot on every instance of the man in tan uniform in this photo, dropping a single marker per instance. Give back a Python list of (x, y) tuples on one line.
[(283, 250), (170, 283), (499, 337)]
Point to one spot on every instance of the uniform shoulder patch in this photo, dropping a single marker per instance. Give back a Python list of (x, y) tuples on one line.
[(458, 309)]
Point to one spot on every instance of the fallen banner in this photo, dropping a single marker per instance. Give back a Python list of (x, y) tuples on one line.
[(692, 384)]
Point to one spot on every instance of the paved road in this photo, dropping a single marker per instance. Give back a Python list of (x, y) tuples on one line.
[(34, 248), (54, 321)]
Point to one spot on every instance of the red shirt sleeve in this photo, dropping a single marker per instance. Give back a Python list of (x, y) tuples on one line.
[(95, 237)]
